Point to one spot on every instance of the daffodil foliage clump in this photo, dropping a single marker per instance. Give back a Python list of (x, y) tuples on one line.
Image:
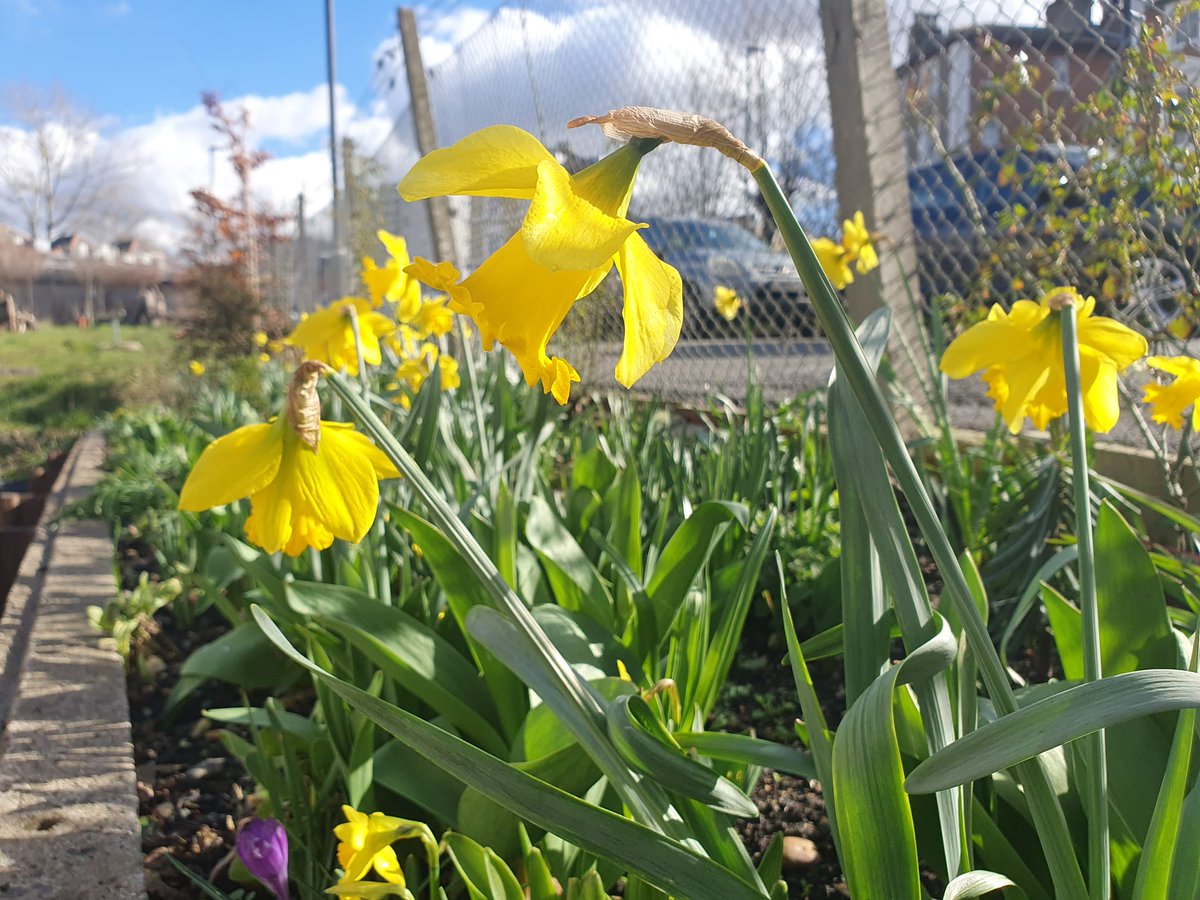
[(516, 629)]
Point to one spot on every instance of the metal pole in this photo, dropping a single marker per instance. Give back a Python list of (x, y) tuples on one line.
[(333, 148)]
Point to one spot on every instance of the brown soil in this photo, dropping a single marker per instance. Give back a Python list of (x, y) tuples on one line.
[(191, 794)]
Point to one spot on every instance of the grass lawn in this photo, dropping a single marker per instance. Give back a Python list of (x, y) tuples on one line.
[(56, 381)]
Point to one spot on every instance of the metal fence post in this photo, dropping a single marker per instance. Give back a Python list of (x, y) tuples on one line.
[(872, 171)]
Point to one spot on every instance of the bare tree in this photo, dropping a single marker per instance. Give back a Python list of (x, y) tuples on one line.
[(57, 173), (20, 264)]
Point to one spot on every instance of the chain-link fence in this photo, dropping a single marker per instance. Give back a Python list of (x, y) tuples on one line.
[(1043, 143)]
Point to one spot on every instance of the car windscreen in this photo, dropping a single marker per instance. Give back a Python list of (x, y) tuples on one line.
[(680, 237)]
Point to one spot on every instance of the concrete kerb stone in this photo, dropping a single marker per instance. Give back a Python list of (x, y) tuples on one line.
[(68, 801)]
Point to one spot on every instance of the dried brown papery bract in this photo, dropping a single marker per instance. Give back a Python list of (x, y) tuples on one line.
[(671, 125), (303, 403)]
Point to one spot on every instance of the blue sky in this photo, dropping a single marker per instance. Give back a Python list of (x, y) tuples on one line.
[(132, 60)]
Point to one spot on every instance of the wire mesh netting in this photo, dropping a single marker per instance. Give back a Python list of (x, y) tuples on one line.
[(1045, 143)]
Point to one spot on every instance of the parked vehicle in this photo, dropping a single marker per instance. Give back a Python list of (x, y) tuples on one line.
[(710, 254), (977, 218)]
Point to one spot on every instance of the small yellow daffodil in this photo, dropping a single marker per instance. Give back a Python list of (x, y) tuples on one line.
[(390, 282), (857, 248), (196, 367), (1020, 353), (727, 302), (364, 843), (1168, 401), (328, 334), (261, 339), (308, 481), (574, 232), (433, 318), (372, 890)]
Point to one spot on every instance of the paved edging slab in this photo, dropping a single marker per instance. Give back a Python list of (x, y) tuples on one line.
[(68, 802)]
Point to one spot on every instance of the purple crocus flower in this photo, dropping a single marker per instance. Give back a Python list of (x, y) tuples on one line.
[(263, 846)]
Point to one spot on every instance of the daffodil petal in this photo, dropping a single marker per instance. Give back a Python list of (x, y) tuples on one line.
[(271, 511), (338, 483), (1121, 344), (1175, 365), (1101, 406), (500, 161), (563, 231), (653, 309), (832, 258), (237, 465), (1023, 385), (363, 446), (984, 344)]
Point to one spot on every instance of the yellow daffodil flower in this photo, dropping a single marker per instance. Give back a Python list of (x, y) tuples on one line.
[(1168, 401), (856, 248), (308, 481), (328, 335), (364, 843), (574, 231), (196, 367), (390, 282), (1021, 356), (261, 339), (433, 318), (727, 302), (448, 367), (859, 247)]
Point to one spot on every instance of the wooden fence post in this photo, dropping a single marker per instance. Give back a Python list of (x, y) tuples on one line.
[(438, 207), (872, 172)]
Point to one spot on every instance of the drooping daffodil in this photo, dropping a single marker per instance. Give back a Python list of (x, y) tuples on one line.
[(727, 302), (308, 480), (1168, 401), (327, 335), (1020, 353), (574, 232)]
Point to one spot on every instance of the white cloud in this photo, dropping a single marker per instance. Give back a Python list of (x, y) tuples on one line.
[(165, 159)]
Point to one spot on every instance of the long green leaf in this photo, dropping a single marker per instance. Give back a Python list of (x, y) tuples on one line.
[(633, 729), (879, 843), (414, 655), (1054, 721), (657, 859), (750, 751), (684, 556), (1162, 848)]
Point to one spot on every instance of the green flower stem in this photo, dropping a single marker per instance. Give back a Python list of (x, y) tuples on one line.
[(586, 718), (1099, 870), (1048, 814), (379, 585)]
